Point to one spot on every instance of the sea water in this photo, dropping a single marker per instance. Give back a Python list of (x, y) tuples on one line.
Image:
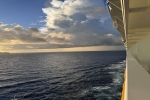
[(62, 76)]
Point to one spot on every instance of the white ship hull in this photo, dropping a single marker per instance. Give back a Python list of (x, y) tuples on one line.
[(132, 20)]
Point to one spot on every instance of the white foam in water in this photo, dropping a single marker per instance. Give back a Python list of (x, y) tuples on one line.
[(100, 88), (118, 77), (116, 66), (117, 82)]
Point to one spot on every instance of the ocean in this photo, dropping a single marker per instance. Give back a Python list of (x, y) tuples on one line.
[(62, 76)]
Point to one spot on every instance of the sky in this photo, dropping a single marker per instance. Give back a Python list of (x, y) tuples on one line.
[(56, 25)]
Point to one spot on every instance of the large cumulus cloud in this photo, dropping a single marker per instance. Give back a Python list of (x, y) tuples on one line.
[(88, 20)]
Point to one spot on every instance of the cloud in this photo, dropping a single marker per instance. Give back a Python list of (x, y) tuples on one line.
[(1, 23), (30, 47), (87, 20), (14, 36), (78, 17), (63, 23), (56, 3), (68, 23), (17, 34)]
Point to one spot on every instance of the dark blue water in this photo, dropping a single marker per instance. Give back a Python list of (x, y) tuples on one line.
[(62, 76)]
